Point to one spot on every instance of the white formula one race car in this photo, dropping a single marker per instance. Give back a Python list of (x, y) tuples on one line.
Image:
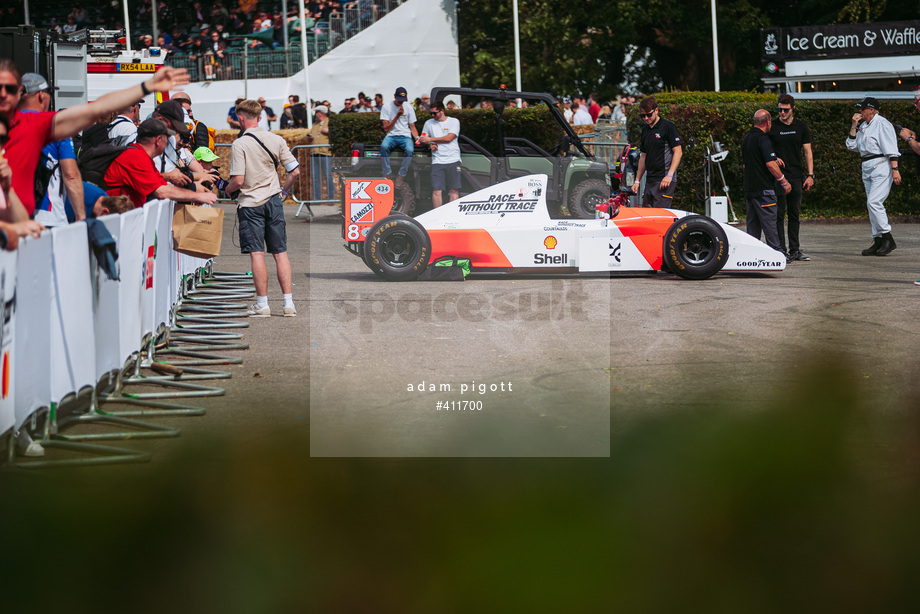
[(506, 228)]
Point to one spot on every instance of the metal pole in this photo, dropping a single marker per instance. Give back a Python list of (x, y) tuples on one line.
[(27, 11), (306, 69), (127, 27), (715, 45), (517, 50), (156, 34), (246, 72), (287, 56)]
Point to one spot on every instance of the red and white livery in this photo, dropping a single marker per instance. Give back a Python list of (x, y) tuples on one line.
[(507, 228)]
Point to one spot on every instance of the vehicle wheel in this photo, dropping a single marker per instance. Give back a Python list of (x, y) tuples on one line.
[(695, 247), (397, 248), (404, 200), (585, 196)]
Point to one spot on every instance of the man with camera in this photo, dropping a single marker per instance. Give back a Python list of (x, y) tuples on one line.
[(254, 160), (133, 172)]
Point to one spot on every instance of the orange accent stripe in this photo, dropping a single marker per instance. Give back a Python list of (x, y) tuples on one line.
[(475, 244), (646, 228)]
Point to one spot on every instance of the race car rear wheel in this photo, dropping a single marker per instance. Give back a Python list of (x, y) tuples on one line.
[(695, 247), (585, 196), (397, 248)]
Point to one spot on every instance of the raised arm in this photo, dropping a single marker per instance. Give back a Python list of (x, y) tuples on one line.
[(71, 121)]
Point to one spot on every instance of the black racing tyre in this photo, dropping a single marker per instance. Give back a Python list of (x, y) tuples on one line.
[(585, 196), (403, 200), (397, 248), (695, 247)]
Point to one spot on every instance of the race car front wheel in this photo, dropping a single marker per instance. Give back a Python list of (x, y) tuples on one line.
[(695, 247), (397, 248)]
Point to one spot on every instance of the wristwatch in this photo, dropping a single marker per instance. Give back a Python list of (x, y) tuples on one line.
[(812, 175), (909, 139)]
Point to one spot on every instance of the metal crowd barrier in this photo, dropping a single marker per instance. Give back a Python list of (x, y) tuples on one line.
[(73, 339), (313, 186)]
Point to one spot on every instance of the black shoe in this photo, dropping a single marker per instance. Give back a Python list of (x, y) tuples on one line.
[(876, 243), (888, 245), (798, 255)]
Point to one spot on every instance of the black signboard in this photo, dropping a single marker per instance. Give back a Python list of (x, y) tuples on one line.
[(840, 41)]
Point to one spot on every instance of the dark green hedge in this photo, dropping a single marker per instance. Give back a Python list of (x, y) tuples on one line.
[(728, 117), (533, 123)]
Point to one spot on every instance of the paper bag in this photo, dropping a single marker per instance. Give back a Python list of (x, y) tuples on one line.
[(197, 230)]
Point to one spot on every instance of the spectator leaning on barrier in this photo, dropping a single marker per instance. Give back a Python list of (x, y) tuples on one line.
[(29, 133), (321, 157), (660, 157), (761, 172), (58, 159), (398, 118), (441, 133), (877, 144), (133, 173), (10, 233), (790, 137), (260, 211)]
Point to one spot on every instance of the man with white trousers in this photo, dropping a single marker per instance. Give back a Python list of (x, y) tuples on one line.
[(876, 142)]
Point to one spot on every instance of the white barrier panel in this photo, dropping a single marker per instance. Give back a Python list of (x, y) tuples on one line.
[(33, 327), (131, 257), (73, 341), (107, 315), (148, 290), (7, 339), (165, 295)]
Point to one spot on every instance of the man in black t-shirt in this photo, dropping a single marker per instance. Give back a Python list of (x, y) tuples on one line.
[(761, 172), (790, 137), (661, 153)]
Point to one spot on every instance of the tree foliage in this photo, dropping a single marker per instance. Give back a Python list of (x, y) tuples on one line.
[(569, 47)]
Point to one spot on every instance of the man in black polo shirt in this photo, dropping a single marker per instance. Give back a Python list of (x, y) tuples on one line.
[(790, 137), (661, 153), (761, 173)]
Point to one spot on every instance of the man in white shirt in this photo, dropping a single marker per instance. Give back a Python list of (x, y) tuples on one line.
[(123, 129), (441, 132), (398, 119), (581, 117)]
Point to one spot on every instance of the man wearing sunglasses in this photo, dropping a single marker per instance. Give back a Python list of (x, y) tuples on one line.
[(661, 152), (790, 137), (29, 133)]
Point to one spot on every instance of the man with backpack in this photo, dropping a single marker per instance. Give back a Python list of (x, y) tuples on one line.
[(123, 129), (57, 171)]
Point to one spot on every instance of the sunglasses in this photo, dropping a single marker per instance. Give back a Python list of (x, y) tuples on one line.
[(784, 109), (645, 115), (11, 88)]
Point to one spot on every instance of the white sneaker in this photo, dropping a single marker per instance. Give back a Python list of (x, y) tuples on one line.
[(259, 312), (290, 312), (26, 447)]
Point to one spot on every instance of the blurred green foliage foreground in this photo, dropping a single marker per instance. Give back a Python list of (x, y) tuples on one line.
[(809, 505)]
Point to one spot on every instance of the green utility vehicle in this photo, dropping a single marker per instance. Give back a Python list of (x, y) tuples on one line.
[(577, 180)]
